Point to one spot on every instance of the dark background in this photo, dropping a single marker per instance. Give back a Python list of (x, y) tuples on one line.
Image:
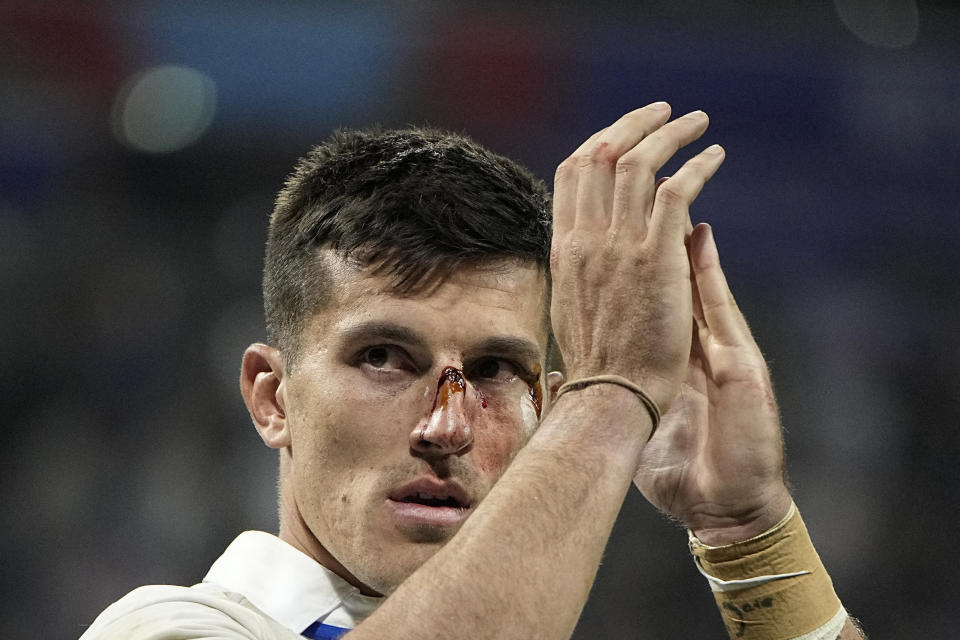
[(141, 145)]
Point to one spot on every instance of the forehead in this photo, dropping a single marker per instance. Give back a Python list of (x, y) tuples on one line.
[(503, 298)]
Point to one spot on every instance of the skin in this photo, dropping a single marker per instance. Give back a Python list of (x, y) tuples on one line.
[(367, 410), (637, 292)]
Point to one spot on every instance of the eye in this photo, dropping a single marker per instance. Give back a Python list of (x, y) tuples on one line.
[(384, 358), (376, 356), (495, 369)]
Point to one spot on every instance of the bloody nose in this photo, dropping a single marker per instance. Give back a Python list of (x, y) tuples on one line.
[(447, 429)]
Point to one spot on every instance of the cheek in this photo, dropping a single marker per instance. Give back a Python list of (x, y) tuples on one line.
[(505, 425), (345, 421)]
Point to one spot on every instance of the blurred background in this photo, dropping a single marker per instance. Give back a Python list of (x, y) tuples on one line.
[(141, 146)]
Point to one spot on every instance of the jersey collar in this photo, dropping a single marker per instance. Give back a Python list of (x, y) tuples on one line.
[(288, 585)]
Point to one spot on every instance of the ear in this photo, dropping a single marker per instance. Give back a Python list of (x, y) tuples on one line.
[(261, 383), (554, 380)]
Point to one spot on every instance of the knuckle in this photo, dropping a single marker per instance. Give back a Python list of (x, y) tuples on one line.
[(565, 170), (663, 134), (600, 154), (554, 257), (567, 258), (709, 305), (611, 248), (583, 159), (669, 137), (638, 118), (575, 252), (629, 163), (637, 167), (699, 162), (670, 194)]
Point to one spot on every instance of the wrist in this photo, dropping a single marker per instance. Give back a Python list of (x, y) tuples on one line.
[(649, 405), (772, 585), (720, 530), (604, 416)]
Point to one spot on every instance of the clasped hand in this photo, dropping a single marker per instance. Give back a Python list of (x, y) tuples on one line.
[(638, 292)]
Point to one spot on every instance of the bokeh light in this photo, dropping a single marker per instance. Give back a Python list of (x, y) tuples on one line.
[(164, 109), (890, 24)]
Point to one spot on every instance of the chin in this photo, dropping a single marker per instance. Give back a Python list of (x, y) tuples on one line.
[(406, 561), (428, 535)]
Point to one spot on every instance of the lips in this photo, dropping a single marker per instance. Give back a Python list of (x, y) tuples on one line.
[(429, 502), (432, 492)]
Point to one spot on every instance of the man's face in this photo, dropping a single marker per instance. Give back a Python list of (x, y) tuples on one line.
[(403, 411)]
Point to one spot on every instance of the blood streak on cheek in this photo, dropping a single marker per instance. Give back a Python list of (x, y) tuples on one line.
[(535, 388)]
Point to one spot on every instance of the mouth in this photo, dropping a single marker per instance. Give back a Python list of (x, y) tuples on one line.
[(430, 501), (433, 501)]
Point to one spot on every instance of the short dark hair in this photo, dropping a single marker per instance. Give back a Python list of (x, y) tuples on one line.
[(416, 204)]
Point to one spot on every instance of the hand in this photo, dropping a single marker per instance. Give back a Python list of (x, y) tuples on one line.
[(716, 462), (621, 278)]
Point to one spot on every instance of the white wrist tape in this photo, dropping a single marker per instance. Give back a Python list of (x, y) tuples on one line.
[(829, 631), (716, 584)]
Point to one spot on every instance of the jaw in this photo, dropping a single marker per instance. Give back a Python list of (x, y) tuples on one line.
[(384, 554), (295, 531)]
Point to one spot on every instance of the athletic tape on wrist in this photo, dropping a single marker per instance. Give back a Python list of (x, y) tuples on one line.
[(772, 586)]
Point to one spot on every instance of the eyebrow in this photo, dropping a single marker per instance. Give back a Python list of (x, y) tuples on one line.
[(518, 348), (386, 331)]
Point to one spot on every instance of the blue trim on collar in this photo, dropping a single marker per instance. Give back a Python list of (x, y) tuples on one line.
[(320, 631)]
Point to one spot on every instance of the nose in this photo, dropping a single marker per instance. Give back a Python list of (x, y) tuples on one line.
[(446, 431)]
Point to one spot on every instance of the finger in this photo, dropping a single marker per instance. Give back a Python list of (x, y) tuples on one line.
[(715, 307), (637, 169), (671, 208), (598, 162), (697, 306), (565, 188), (689, 224)]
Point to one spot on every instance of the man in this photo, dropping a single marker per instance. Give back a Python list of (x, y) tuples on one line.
[(426, 455)]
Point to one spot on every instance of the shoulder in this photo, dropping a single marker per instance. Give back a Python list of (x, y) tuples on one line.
[(166, 612)]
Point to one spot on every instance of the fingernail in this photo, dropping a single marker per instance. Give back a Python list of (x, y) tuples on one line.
[(696, 115), (659, 106), (714, 149)]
